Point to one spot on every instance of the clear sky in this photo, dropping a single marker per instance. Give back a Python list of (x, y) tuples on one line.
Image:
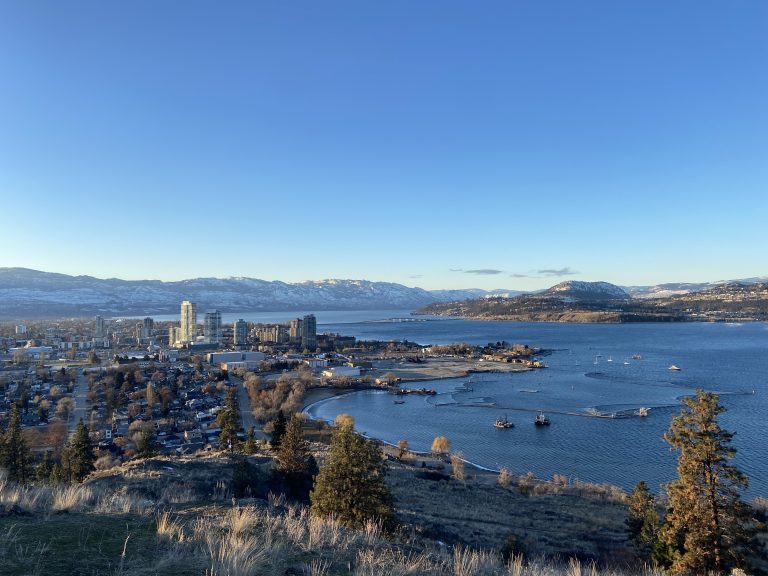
[(440, 144)]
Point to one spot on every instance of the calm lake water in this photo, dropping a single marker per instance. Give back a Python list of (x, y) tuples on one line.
[(730, 359)]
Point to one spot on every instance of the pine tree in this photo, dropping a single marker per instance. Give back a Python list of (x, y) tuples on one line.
[(278, 430), (14, 456), (351, 484), (77, 457), (249, 446), (45, 468), (643, 522), (295, 466), (706, 521), (229, 422), (146, 444)]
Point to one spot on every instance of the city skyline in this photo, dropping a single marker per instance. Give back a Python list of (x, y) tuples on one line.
[(438, 145)]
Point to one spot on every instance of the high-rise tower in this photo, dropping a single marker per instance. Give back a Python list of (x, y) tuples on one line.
[(212, 327), (241, 333), (98, 330), (188, 326), (309, 332)]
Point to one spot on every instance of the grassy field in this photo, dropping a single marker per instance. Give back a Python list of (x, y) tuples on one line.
[(172, 517)]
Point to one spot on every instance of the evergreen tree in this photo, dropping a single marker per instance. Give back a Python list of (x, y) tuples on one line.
[(706, 521), (249, 446), (57, 474), (295, 466), (14, 454), (278, 430), (77, 457), (245, 479), (146, 444), (351, 484), (643, 523), (229, 421), (44, 469)]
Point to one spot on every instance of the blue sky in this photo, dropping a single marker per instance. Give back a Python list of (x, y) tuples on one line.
[(439, 144)]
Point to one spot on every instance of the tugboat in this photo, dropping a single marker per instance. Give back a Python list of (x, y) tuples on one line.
[(503, 423), (541, 420)]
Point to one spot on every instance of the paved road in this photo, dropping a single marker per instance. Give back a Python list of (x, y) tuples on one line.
[(81, 403), (246, 417)]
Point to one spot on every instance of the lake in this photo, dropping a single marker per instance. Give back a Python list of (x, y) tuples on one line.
[(591, 371)]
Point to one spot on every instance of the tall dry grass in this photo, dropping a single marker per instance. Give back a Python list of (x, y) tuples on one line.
[(270, 538)]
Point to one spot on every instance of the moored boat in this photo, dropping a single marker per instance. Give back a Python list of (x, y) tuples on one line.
[(503, 423), (541, 420)]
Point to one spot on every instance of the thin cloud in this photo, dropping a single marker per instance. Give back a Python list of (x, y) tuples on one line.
[(415, 276), (520, 276), (558, 272), (484, 271), (456, 269)]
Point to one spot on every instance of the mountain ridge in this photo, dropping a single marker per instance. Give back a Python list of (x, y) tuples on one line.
[(32, 293), (27, 293)]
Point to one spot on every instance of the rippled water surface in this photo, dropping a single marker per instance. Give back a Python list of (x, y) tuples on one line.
[(591, 373)]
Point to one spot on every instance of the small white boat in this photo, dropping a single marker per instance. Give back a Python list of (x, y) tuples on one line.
[(674, 368), (642, 412), (503, 423)]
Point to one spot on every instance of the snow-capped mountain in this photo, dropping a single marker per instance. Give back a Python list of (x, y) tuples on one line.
[(586, 291), (678, 288), (28, 293)]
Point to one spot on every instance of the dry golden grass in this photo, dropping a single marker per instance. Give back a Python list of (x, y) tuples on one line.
[(451, 528)]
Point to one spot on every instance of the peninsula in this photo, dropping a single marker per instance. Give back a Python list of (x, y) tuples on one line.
[(601, 302)]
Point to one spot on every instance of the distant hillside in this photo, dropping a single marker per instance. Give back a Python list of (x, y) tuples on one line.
[(678, 288), (26, 293), (603, 302), (585, 291)]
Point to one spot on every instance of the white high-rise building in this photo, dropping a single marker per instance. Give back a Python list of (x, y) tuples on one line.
[(212, 327), (188, 325)]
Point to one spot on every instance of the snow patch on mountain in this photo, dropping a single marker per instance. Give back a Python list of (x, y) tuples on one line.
[(587, 291)]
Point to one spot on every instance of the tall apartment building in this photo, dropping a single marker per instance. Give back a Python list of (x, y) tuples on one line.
[(188, 326), (309, 332), (145, 330), (98, 329), (271, 333), (294, 329), (240, 330), (212, 327)]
